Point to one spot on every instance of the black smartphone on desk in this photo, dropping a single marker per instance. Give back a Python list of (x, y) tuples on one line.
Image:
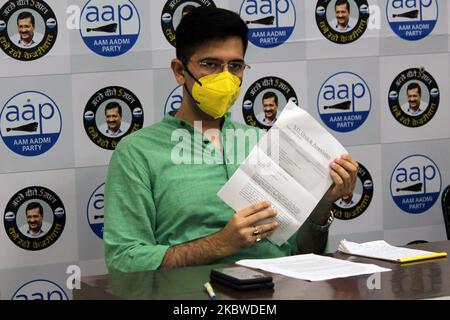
[(241, 278)]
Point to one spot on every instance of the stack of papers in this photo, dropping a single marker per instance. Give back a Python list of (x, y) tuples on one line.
[(382, 250), (312, 267)]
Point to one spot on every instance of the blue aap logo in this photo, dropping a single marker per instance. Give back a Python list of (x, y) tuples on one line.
[(95, 213), (270, 22), (412, 20), (415, 184), (173, 102), (110, 29), (40, 290), (344, 101), (30, 123)]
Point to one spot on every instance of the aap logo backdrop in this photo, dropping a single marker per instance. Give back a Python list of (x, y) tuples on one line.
[(172, 13), (270, 22), (412, 20), (28, 29), (30, 123), (344, 101), (360, 200), (416, 184), (173, 101), (111, 114), (110, 29), (342, 23), (34, 218), (95, 215), (277, 91), (414, 97), (40, 290)]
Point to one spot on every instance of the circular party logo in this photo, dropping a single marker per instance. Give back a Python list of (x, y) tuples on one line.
[(173, 102), (263, 101), (95, 213), (414, 97), (34, 218), (415, 184), (30, 123), (412, 20), (110, 114), (344, 101), (359, 202), (342, 21), (270, 22), (172, 13), (28, 29), (40, 290), (110, 29)]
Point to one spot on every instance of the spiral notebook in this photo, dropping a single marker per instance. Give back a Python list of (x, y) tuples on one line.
[(382, 250)]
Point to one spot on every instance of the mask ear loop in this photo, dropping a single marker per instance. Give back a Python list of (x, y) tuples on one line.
[(195, 79), (190, 74)]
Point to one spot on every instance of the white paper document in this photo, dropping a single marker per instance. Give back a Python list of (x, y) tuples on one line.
[(312, 267), (289, 168), (380, 249)]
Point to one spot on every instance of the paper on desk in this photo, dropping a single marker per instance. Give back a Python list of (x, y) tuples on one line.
[(312, 267), (289, 167), (380, 249)]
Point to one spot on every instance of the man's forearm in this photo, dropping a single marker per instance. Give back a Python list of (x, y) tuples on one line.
[(201, 251), (310, 240), (239, 233)]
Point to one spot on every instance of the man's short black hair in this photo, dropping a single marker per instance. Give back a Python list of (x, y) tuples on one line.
[(412, 86), (187, 9), (34, 205), (25, 15), (270, 94), (205, 24), (113, 105), (341, 2)]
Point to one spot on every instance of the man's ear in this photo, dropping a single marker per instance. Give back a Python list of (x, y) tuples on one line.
[(178, 71)]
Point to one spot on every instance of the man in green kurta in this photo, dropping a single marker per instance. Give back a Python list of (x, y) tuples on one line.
[(161, 207)]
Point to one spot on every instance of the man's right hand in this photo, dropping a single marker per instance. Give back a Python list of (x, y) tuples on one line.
[(245, 227)]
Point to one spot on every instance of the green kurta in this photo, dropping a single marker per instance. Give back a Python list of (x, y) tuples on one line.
[(152, 202)]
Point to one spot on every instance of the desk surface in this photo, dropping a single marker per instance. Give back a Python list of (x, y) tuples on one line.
[(420, 280)]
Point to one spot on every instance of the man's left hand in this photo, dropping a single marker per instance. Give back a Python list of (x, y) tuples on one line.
[(343, 172)]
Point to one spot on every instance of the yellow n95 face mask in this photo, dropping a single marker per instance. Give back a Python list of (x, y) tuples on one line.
[(216, 93)]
